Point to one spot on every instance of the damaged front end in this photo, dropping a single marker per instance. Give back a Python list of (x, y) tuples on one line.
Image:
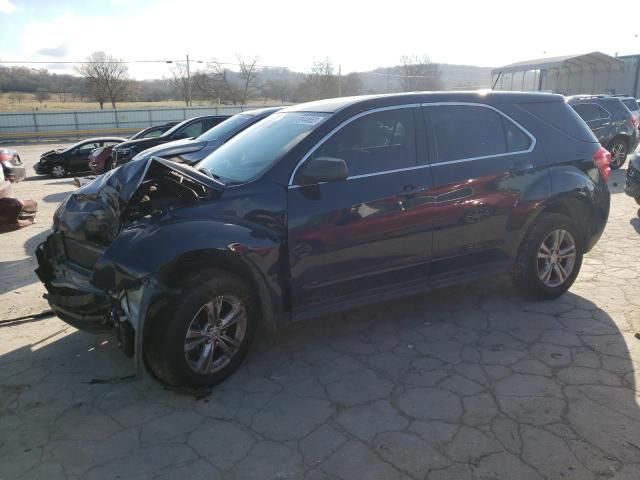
[(81, 290)]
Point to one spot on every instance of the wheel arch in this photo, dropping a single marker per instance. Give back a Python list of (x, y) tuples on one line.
[(191, 262)]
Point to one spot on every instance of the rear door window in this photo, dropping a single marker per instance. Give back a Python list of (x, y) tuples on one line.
[(631, 104), (469, 131), (374, 143), (590, 111)]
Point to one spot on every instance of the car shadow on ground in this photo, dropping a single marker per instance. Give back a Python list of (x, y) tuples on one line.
[(466, 382), (19, 273), (56, 197)]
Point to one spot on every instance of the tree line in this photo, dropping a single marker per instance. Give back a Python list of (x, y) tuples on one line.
[(105, 79)]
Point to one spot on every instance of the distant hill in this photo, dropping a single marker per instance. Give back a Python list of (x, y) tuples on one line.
[(452, 77), (465, 76)]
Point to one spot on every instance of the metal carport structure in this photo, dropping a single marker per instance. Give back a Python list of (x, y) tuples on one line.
[(593, 72)]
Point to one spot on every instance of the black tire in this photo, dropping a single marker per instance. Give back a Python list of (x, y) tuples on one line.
[(619, 151), (58, 170), (526, 274), (637, 199), (164, 351)]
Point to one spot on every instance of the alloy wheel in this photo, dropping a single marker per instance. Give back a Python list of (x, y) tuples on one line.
[(556, 258), (215, 334), (618, 154)]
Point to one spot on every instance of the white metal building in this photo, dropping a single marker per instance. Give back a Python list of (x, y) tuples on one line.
[(589, 73)]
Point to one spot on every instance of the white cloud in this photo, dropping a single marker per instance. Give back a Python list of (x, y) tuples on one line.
[(6, 6)]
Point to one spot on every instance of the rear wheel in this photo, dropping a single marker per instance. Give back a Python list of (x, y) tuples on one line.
[(618, 150), (205, 338), (550, 257), (58, 171)]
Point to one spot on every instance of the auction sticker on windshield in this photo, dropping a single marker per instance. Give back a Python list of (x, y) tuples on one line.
[(309, 120)]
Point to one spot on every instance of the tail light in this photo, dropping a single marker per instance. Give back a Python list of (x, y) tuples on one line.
[(635, 122), (602, 160)]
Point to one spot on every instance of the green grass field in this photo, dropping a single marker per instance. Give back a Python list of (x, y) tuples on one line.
[(28, 103)]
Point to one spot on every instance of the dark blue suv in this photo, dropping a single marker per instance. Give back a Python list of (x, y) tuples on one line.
[(612, 123), (320, 207)]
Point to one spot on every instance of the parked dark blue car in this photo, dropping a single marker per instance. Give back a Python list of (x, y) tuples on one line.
[(324, 206), (191, 151)]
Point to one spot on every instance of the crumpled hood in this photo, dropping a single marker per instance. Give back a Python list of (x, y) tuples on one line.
[(94, 212), (51, 153), (176, 147)]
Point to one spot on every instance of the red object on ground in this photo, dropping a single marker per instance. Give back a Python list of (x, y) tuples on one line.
[(16, 213)]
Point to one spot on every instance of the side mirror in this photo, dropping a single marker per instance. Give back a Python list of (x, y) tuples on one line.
[(323, 169)]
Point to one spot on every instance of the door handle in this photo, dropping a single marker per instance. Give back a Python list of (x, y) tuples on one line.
[(410, 191), (521, 166)]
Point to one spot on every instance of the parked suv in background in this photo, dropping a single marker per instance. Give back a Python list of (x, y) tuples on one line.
[(611, 122), (633, 107), (190, 128), (100, 159), (324, 206), (192, 150)]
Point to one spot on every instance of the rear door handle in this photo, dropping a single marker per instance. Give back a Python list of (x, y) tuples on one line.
[(521, 166), (410, 191)]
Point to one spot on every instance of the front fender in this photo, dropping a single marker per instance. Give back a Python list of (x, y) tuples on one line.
[(148, 249)]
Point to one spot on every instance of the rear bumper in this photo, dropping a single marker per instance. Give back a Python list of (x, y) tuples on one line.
[(599, 218)]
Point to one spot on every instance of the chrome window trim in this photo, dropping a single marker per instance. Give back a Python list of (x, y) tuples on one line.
[(434, 164), (365, 175), (495, 155), (343, 124)]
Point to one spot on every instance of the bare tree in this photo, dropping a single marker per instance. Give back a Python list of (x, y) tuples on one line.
[(320, 83), (419, 73), (15, 97), (236, 87), (180, 81), (352, 84), (215, 83), (107, 77), (42, 95), (250, 82)]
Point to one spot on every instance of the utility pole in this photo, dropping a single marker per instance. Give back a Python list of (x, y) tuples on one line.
[(339, 80), (188, 83)]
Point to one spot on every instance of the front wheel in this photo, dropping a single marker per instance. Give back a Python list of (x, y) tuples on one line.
[(205, 337), (618, 153), (550, 257), (58, 171)]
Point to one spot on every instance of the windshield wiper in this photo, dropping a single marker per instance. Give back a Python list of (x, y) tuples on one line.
[(209, 173)]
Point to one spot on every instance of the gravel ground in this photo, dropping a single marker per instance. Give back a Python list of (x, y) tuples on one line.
[(470, 382)]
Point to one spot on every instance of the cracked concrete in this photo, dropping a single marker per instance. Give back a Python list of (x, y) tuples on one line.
[(469, 382)]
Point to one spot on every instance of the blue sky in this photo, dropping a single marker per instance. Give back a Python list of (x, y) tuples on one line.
[(356, 34)]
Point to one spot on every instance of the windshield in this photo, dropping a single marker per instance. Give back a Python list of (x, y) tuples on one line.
[(68, 149), (225, 128), (251, 152)]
